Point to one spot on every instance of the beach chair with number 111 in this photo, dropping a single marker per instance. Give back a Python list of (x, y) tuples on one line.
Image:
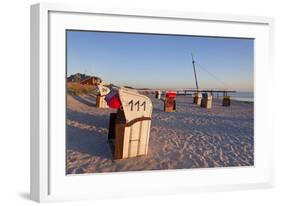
[(129, 128)]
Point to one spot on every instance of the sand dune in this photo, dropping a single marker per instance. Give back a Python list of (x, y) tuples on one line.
[(191, 137)]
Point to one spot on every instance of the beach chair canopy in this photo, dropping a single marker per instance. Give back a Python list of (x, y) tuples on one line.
[(103, 90), (134, 104), (171, 94)]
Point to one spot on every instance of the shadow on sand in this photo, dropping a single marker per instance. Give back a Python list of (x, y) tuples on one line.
[(89, 135), (83, 101)]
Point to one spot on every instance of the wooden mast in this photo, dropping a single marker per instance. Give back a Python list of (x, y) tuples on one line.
[(194, 70)]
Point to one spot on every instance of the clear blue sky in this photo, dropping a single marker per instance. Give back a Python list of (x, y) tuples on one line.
[(161, 61)]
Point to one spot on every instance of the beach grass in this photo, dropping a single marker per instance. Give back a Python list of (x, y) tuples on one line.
[(79, 89)]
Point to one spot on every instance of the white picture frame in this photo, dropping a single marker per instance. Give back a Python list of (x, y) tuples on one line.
[(48, 180)]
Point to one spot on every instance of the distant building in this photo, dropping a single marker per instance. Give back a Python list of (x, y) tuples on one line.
[(91, 81), (84, 79), (77, 77)]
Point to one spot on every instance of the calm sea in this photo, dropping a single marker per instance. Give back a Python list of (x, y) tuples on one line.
[(240, 96), (243, 96)]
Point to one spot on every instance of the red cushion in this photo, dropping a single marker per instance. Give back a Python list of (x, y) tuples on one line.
[(114, 102)]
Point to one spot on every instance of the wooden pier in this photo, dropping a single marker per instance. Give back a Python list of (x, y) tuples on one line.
[(190, 91)]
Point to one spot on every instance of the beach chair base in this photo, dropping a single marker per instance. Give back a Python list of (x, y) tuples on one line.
[(169, 105), (100, 102), (226, 102), (197, 100), (128, 139), (206, 103)]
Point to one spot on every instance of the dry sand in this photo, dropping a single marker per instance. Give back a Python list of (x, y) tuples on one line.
[(191, 137)]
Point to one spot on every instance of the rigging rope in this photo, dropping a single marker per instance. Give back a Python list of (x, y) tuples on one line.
[(219, 80)]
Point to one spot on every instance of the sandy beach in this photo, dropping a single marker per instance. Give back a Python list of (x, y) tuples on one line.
[(190, 137)]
